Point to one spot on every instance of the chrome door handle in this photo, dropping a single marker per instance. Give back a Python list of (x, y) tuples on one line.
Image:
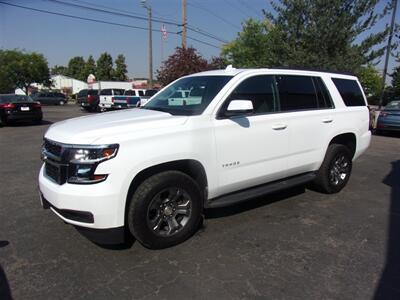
[(327, 120), (279, 126)]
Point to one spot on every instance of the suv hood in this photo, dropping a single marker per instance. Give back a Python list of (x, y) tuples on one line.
[(87, 129)]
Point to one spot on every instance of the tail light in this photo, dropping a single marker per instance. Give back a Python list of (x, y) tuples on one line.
[(37, 105), (7, 105), (90, 98), (112, 99), (127, 100)]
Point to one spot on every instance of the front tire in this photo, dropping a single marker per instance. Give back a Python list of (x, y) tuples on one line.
[(165, 210), (335, 170)]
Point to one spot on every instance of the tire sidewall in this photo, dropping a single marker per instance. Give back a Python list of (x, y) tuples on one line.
[(337, 151), (141, 200)]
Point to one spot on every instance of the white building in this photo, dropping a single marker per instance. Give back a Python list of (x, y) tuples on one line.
[(65, 83)]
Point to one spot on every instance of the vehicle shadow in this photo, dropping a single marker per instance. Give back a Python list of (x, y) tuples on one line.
[(212, 213), (5, 291), (388, 286)]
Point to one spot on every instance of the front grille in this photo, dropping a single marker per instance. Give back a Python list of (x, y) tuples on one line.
[(52, 148), (58, 173)]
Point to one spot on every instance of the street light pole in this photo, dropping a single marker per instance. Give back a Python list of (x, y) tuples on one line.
[(389, 45), (149, 13)]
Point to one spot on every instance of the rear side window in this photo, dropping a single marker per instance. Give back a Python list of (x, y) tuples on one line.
[(141, 93), (350, 92), (118, 92), (296, 92)]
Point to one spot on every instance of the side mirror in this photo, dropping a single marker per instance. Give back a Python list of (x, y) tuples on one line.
[(239, 107)]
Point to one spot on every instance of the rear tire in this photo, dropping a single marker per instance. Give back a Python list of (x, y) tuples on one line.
[(335, 170), (165, 210)]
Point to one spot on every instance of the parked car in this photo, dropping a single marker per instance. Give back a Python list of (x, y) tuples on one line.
[(106, 98), (130, 98), (50, 98), (241, 134), (88, 99), (389, 118), (15, 108), (147, 95)]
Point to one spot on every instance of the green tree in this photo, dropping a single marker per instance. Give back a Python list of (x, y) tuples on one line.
[(311, 33), (59, 70), (252, 47), (76, 67), (20, 70), (90, 67), (120, 72), (104, 69), (371, 80), (396, 80), (183, 62)]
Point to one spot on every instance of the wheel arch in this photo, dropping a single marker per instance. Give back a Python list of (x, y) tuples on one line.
[(348, 139), (191, 167)]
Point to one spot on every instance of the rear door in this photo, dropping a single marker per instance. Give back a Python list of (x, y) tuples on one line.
[(309, 110)]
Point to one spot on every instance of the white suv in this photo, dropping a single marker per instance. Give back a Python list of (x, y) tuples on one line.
[(150, 172)]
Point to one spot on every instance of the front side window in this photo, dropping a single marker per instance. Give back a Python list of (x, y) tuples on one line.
[(260, 90), (350, 92), (296, 92), (118, 92), (188, 96)]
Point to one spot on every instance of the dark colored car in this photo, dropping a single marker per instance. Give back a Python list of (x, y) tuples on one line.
[(389, 118), (50, 98), (19, 108), (88, 99), (150, 93)]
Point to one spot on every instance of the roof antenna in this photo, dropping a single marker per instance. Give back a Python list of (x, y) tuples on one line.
[(229, 68)]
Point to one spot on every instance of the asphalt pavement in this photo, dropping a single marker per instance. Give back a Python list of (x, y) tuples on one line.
[(297, 244)]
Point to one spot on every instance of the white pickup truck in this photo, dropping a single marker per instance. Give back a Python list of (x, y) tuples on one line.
[(150, 172)]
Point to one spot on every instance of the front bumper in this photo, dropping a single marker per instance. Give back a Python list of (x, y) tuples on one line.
[(98, 206), (24, 116)]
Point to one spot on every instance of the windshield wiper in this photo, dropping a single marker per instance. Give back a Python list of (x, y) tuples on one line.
[(156, 108)]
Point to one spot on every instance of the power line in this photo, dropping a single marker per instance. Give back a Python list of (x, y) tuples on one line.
[(97, 21), (214, 14), (248, 7), (136, 16), (233, 5)]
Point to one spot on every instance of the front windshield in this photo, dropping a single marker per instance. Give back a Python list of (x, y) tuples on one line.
[(188, 96), (14, 98), (394, 105)]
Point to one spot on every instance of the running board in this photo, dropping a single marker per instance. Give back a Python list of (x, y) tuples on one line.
[(260, 190)]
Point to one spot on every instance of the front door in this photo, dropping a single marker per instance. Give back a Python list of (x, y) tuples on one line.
[(252, 149)]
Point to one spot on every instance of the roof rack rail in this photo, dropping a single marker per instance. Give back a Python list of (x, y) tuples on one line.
[(312, 69)]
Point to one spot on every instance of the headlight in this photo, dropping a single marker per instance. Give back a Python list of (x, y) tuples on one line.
[(83, 163)]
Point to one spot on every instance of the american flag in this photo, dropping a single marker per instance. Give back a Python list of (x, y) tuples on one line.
[(164, 33)]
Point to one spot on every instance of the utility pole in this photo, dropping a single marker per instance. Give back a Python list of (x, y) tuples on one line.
[(148, 7), (389, 45), (183, 23)]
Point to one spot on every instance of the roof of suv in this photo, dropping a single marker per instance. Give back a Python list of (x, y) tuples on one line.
[(230, 71)]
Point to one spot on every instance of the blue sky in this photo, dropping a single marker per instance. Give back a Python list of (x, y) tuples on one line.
[(60, 38)]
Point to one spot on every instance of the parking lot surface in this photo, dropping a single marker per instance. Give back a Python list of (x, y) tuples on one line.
[(296, 244)]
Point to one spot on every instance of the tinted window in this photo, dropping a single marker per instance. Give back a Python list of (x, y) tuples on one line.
[(260, 90), (150, 93), (296, 92), (118, 92), (350, 92), (92, 92), (130, 93), (141, 93), (324, 98), (106, 92), (82, 93), (14, 98)]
